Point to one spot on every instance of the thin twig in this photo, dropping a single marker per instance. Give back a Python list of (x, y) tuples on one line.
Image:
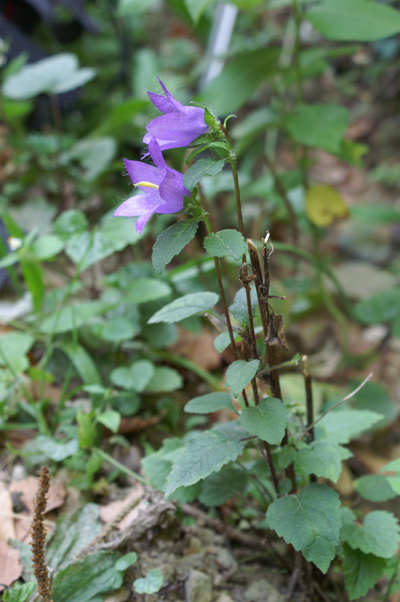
[(349, 396)]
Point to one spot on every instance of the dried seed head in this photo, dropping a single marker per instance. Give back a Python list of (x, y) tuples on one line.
[(38, 534)]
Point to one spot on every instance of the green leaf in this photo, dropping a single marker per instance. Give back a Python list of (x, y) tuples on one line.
[(88, 579), (375, 488), (379, 534), (136, 377), (186, 306), (143, 290), (226, 243), (219, 488), (47, 246), (93, 154), (126, 561), (54, 75), (206, 404), (239, 308), (13, 349), (19, 592), (33, 276), (110, 419), (117, 330), (56, 450), (344, 425), (202, 456), (72, 317), (354, 20), (82, 362), (202, 167), (171, 242), (150, 584), (310, 521), (380, 308), (361, 571), (239, 374), (240, 78), (267, 421), (70, 222), (320, 458), (223, 341), (196, 8), (164, 380), (73, 533), (322, 126)]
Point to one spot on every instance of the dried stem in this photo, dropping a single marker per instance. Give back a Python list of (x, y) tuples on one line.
[(349, 396), (309, 399), (38, 533)]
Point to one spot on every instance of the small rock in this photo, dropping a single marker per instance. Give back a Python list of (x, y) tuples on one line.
[(195, 546), (198, 587), (225, 559), (263, 590)]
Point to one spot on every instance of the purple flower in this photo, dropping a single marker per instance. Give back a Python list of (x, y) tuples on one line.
[(179, 125), (163, 189)]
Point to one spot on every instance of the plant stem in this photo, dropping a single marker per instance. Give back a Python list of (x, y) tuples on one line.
[(120, 466), (309, 399)]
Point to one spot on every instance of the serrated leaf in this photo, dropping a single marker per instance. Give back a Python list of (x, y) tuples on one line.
[(239, 374), (226, 243), (320, 458), (223, 341), (379, 534), (310, 521), (316, 125), (344, 425), (375, 488), (239, 308), (143, 290), (171, 242), (136, 377), (150, 584), (202, 167), (219, 488), (86, 580), (354, 20), (206, 454), (186, 306), (267, 421), (361, 571), (206, 404)]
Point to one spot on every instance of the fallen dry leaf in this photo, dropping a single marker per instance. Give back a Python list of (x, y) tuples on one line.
[(110, 512), (198, 348), (10, 568), (28, 488)]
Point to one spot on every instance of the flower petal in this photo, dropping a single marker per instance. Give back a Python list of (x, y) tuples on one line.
[(178, 127), (142, 172), (178, 106), (140, 204), (163, 104), (156, 155), (172, 191)]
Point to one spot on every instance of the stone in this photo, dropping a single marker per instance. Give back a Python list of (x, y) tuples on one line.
[(225, 559), (224, 598), (198, 587), (263, 590)]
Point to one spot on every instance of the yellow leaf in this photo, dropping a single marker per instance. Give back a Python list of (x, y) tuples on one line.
[(324, 205)]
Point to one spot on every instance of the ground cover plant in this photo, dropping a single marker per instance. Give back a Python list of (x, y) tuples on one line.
[(220, 348)]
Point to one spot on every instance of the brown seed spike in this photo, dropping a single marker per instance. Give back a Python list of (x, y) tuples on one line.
[(38, 534)]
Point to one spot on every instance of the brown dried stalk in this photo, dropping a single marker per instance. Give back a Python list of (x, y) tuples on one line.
[(38, 533)]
